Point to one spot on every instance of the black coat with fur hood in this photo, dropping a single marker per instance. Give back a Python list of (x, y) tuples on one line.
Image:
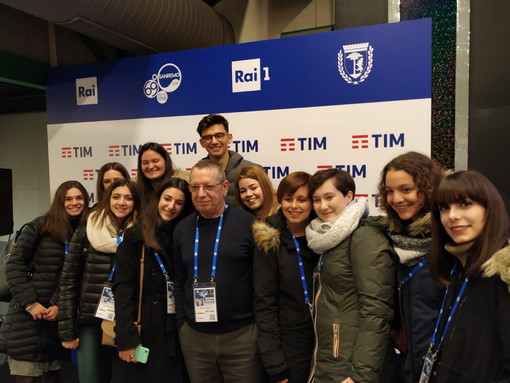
[(476, 347), (285, 327)]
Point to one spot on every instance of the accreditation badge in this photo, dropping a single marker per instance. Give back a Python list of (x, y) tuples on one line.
[(204, 297), (106, 306), (427, 367), (170, 298)]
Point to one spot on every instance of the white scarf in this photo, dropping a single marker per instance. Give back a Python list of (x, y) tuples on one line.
[(102, 237), (323, 236)]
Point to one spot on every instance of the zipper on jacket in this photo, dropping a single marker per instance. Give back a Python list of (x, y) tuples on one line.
[(317, 281), (336, 340)]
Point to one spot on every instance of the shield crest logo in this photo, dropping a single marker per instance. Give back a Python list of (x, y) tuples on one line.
[(355, 62)]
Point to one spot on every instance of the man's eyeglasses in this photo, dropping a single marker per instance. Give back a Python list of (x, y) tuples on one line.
[(208, 188), (219, 137)]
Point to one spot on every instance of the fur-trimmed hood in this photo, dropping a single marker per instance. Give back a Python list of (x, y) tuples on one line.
[(419, 228), (499, 264), (267, 237)]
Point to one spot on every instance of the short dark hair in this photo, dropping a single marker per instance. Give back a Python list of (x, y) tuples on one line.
[(100, 175), (210, 120), (291, 183), (456, 188), (209, 164), (426, 174), (341, 179)]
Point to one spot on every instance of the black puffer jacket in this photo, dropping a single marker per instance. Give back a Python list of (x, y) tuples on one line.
[(32, 273), (285, 327), (83, 276)]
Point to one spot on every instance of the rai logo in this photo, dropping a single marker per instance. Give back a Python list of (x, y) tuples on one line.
[(355, 62)]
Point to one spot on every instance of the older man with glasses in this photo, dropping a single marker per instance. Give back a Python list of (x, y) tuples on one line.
[(215, 138), (213, 256)]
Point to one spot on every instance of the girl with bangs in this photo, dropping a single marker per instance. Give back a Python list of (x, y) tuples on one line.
[(87, 271), (471, 256)]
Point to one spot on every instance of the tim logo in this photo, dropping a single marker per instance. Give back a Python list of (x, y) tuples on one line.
[(354, 170), (86, 91), (365, 141), (355, 62), (247, 77), (88, 174), (302, 144), (244, 146), (76, 151), (167, 80), (277, 172)]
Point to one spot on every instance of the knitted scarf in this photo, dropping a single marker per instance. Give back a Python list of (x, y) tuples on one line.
[(323, 236), (102, 237), (412, 243)]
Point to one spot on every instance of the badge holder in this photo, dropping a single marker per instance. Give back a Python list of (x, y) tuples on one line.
[(204, 301), (106, 305)]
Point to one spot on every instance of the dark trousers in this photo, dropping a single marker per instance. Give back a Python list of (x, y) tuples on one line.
[(230, 357)]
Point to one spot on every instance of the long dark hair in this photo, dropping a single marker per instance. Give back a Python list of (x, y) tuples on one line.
[(100, 175), (457, 188), (104, 210), (426, 174), (146, 188), (56, 221), (150, 222)]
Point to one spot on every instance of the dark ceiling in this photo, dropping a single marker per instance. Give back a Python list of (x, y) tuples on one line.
[(38, 34)]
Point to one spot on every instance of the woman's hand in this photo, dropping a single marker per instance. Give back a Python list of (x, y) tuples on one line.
[(37, 310), (283, 381), (348, 380), (128, 356), (51, 313), (71, 344)]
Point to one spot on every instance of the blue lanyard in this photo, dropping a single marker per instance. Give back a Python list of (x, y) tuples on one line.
[(119, 241), (322, 260), (215, 252), (163, 269), (414, 270), (452, 313), (66, 249), (301, 271)]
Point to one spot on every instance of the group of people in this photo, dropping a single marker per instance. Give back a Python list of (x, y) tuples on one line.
[(224, 280)]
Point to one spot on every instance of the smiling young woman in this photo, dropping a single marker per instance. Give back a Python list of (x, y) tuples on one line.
[(153, 232), (355, 282), (283, 267), (29, 334), (470, 254), (86, 269), (254, 192), (405, 189)]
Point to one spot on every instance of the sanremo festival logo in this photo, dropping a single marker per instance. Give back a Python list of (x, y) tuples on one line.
[(355, 62), (167, 80)]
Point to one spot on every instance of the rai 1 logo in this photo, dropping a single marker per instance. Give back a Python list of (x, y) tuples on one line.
[(167, 80), (355, 62)]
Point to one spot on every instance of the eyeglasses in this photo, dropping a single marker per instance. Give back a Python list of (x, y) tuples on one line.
[(219, 137), (207, 188)]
